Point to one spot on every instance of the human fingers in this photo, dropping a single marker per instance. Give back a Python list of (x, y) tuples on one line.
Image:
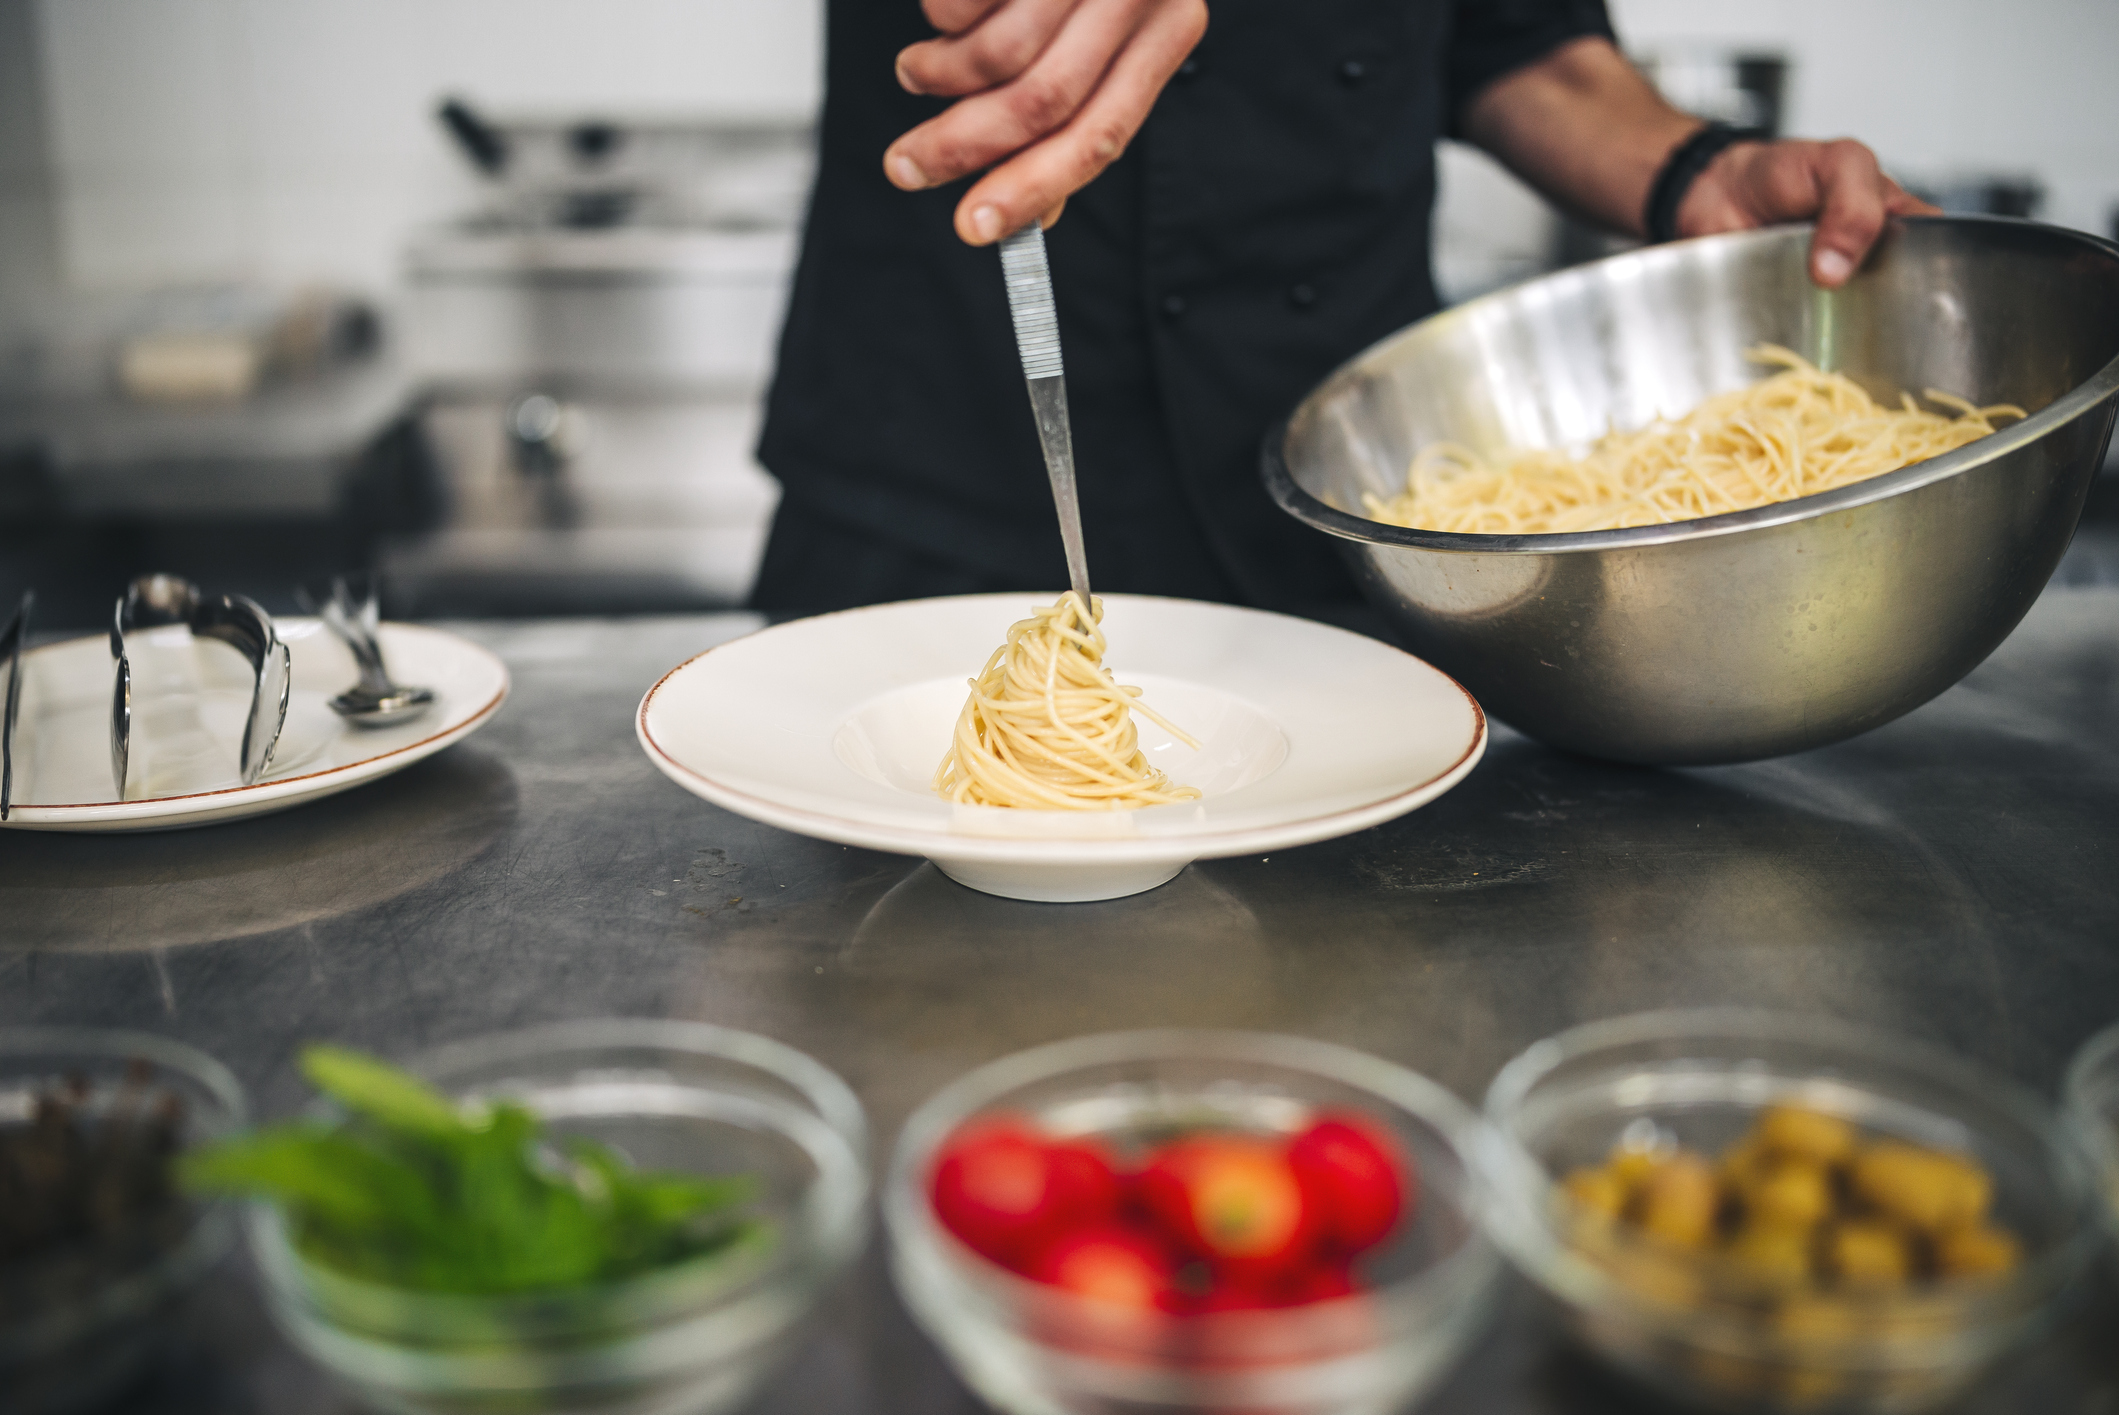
[(1043, 176), (978, 131), (1088, 53), (1004, 44), (956, 16), (1846, 194), (1901, 202)]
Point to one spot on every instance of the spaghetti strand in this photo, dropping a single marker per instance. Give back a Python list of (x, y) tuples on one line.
[(1795, 433), (1048, 728)]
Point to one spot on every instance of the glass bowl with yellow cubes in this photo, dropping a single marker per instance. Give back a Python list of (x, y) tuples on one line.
[(1758, 1211)]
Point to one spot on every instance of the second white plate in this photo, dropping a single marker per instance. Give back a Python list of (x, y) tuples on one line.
[(833, 726), (185, 743)]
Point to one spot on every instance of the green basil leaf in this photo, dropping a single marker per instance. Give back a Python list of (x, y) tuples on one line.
[(380, 1092)]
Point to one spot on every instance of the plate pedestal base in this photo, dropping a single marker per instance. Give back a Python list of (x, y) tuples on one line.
[(1060, 884)]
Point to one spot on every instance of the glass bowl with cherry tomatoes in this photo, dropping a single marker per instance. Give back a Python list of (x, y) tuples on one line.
[(1192, 1221), (1760, 1211)]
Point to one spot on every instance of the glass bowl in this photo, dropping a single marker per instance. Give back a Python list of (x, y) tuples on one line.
[(76, 1326), (2092, 1103), (1699, 1079), (696, 1338), (1029, 1349)]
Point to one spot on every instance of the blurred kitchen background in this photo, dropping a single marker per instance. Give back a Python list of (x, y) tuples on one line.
[(272, 306)]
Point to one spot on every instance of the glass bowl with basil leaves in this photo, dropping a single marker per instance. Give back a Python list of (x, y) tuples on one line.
[(618, 1216), (98, 1243)]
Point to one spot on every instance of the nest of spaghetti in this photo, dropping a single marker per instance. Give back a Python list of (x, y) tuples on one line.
[(1047, 727), (1795, 433)]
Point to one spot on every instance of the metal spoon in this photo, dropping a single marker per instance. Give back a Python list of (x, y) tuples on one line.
[(375, 701)]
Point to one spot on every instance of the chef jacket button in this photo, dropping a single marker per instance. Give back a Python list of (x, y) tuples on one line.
[(1173, 306), (1187, 69), (1353, 71), (1302, 296)]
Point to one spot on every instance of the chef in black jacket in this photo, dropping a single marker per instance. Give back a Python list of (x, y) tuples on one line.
[(1247, 204)]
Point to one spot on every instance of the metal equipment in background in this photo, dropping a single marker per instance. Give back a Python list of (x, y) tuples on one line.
[(593, 341), (235, 433)]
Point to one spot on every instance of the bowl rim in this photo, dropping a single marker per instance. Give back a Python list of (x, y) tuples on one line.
[(913, 1228), (837, 1219), (212, 1230), (1523, 1192), (1177, 844), (1292, 498), (2087, 1098)]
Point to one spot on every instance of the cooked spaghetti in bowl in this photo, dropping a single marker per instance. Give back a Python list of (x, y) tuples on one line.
[(1725, 635), (1796, 433)]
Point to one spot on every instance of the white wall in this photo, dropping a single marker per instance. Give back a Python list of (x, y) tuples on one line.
[(1936, 86), (295, 139), (1940, 88), (28, 228)]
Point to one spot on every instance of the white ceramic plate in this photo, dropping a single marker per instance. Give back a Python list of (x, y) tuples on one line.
[(189, 699), (833, 726)]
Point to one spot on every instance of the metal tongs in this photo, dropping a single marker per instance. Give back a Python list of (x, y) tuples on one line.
[(11, 641), (1037, 341), (160, 601)]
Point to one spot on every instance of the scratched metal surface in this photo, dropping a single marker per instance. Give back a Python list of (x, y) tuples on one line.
[(1954, 875)]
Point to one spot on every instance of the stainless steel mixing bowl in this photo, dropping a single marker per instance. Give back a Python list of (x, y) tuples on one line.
[(1758, 632)]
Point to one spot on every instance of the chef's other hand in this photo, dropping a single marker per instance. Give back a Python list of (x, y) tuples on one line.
[(1051, 90), (1584, 127), (1838, 184)]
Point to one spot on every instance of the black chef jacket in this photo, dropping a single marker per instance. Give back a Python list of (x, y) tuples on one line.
[(1268, 222)]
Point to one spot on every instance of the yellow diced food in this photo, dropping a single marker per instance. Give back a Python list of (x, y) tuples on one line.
[(1678, 1201), (1789, 1194), (1978, 1250), (1867, 1254), (1741, 1160), (1922, 1188), (1631, 1167), (1595, 1191), (1780, 1256), (1805, 1134)]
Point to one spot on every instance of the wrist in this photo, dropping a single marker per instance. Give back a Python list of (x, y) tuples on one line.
[(1681, 186)]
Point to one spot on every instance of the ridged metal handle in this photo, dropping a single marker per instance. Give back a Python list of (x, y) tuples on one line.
[(1037, 340), (1030, 301)]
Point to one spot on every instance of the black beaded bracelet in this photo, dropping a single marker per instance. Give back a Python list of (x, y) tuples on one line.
[(1680, 170)]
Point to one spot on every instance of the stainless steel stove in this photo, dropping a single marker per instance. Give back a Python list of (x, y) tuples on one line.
[(593, 344)]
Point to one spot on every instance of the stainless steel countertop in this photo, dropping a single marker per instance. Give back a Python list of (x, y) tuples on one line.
[(1954, 875)]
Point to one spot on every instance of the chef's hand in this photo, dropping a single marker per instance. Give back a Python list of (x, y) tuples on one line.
[(1838, 184), (1051, 90), (1583, 126)]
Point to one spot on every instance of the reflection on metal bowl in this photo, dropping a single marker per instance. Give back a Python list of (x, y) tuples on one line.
[(1758, 632)]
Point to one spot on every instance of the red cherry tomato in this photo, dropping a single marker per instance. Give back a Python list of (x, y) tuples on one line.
[(1356, 1178), (1085, 1182), (1109, 1264), (1232, 1297), (1005, 1191), (1233, 1200)]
